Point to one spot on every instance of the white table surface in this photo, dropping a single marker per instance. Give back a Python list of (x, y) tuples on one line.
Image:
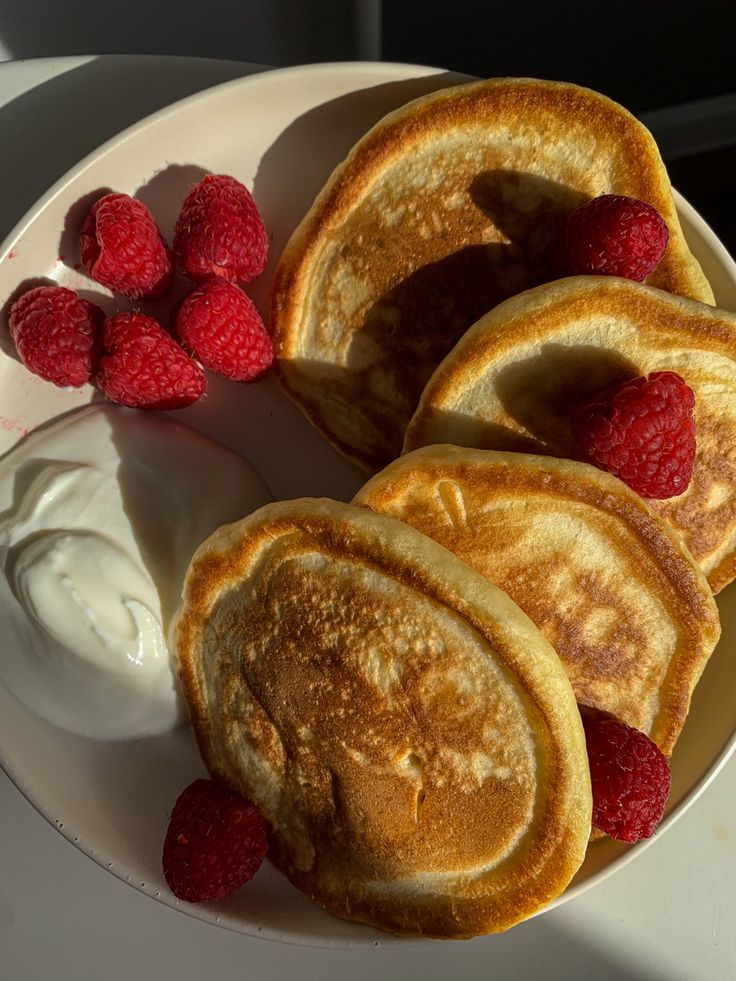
[(670, 914)]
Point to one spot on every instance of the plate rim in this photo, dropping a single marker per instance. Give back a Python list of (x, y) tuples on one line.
[(253, 78)]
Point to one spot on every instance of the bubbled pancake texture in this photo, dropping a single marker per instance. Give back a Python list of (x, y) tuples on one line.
[(611, 587), (408, 732), (513, 379), (444, 209)]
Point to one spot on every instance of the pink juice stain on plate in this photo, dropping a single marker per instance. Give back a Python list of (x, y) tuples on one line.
[(13, 426)]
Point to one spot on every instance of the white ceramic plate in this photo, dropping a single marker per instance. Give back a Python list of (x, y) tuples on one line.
[(281, 133)]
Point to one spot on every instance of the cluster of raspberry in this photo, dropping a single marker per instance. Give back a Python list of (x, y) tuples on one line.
[(219, 241)]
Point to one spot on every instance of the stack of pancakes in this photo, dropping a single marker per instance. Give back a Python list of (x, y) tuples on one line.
[(444, 209), (397, 683)]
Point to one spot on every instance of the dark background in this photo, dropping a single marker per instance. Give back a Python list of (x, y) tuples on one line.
[(644, 54), (648, 55)]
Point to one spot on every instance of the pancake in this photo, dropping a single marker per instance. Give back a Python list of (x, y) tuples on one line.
[(409, 733), (513, 379), (445, 208), (609, 584)]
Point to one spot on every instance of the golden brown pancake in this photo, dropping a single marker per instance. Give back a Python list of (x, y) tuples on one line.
[(445, 208), (409, 733), (512, 380), (610, 585)]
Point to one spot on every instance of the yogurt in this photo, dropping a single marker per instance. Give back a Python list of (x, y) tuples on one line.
[(100, 513)]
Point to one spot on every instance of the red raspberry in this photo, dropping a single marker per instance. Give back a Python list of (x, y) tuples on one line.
[(616, 236), (144, 367), (220, 324), (216, 842), (220, 232), (56, 334), (642, 431), (630, 778), (122, 248)]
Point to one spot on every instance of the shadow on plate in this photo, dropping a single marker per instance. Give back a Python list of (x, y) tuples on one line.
[(164, 194)]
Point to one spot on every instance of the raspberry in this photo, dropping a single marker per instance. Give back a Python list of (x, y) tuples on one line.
[(220, 232), (616, 236), (642, 431), (122, 248), (216, 842), (220, 324), (630, 778), (144, 367), (56, 334)]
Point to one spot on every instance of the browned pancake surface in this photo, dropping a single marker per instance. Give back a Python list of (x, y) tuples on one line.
[(408, 732), (609, 584), (443, 210), (513, 379)]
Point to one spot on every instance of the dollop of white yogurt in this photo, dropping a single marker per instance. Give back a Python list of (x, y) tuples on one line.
[(100, 513)]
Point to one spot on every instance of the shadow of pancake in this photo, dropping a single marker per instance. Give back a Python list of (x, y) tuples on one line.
[(443, 298), (411, 328), (434, 306), (540, 392), (258, 421), (531, 212), (459, 429)]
